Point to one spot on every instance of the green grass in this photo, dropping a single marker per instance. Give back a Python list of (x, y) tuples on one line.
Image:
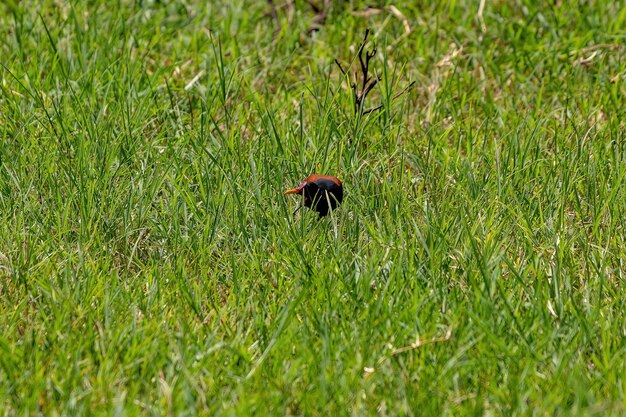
[(150, 264)]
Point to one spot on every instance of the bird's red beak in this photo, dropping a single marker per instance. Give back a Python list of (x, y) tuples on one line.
[(297, 190)]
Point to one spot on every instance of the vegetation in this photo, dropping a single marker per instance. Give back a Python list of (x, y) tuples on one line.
[(150, 264)]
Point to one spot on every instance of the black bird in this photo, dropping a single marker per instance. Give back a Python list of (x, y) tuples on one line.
[(321, 193)]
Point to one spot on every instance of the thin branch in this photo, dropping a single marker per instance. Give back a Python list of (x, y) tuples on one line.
[(340, 67), (370, 84), (364, 41), (364, 65), (404, 90), (367, 82)]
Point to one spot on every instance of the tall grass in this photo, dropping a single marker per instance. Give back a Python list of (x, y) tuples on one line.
[(150, 264)]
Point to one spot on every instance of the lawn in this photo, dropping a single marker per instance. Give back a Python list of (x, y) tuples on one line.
[(151, 265)]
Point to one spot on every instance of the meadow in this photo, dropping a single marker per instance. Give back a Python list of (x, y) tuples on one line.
[(151, 265)]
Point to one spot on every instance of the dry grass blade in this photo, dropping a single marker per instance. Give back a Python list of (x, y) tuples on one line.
[(419, 343), (479, 16)]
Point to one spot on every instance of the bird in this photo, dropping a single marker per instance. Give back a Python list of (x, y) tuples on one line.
[(322, 193)]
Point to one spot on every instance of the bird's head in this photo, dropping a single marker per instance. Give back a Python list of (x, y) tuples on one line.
[(299, 189)]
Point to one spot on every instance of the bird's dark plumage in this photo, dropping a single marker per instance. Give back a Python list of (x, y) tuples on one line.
[(322, 193)]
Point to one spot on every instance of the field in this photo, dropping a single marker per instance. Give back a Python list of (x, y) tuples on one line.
[(151, 265)]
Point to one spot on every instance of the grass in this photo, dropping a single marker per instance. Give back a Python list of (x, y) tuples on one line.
[(150, 265)]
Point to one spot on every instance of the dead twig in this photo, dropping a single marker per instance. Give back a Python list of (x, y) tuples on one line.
[(380, 106), (340, 67), (368, 82)]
